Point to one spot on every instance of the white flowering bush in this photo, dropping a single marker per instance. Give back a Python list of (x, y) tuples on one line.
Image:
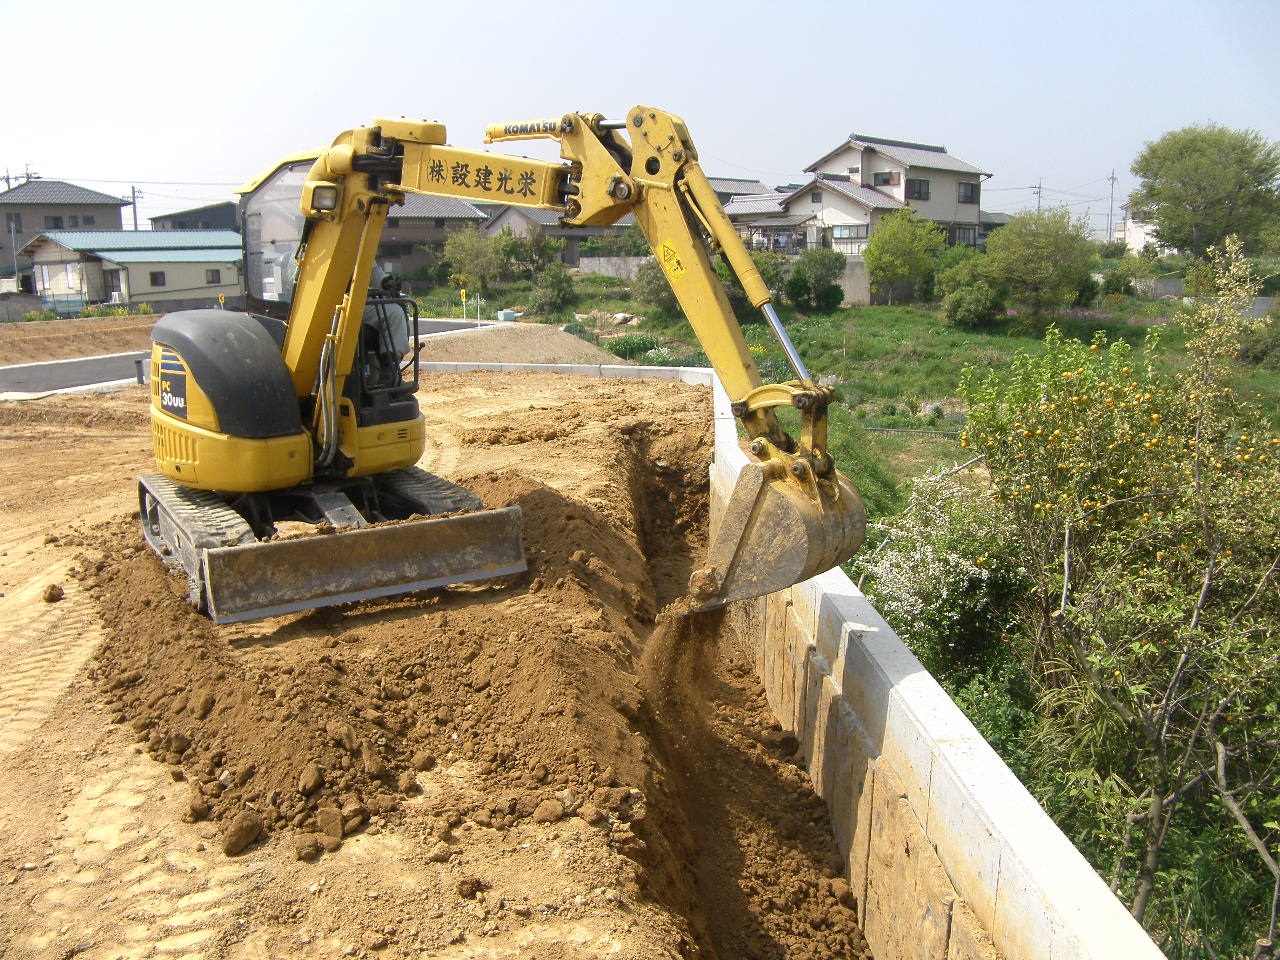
[(943, 574)]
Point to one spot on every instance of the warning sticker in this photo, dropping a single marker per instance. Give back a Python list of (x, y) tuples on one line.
[(669, 257)]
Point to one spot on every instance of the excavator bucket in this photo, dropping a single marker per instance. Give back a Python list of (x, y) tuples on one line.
[(776, 532), (255, 580)]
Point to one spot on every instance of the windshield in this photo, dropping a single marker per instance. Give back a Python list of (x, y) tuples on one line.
[(272, 224)]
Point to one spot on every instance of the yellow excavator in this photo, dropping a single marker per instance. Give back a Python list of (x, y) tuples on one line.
[(303, 408)]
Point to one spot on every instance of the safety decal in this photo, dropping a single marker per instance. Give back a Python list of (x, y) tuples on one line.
[(669, 257)]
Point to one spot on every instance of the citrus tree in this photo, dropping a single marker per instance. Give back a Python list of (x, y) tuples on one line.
[(1147, 508)]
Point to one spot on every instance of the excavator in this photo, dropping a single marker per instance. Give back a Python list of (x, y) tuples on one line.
[(302, 410)]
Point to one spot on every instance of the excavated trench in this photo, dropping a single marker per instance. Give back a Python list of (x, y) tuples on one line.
[(561, 700)]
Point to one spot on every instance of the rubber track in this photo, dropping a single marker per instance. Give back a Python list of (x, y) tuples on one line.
[(201, 514), (434, 494)]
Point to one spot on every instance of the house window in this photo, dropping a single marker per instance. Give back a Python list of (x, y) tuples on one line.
[(849, 231), (213, 276), (886, 178), (968, 192), (966, 236), (87, 220), (53, 223), (157, 278), (13, 223), (816, 196), (73, 221), (917, 189)]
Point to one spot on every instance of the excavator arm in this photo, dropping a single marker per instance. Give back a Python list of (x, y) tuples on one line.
[(792, 514)]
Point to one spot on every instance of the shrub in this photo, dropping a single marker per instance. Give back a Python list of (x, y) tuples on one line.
[(650, 286), (34, 315), (631, 345), (972, 306), (552, 290)]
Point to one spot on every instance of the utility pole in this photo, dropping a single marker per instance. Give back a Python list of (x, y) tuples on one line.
[(136, 194), (1112, 207), (1039, 189)]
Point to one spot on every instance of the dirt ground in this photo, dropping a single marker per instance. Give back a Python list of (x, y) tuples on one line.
[(508, 343), (543, 766)]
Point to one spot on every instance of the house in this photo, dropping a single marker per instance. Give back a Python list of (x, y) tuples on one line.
[(214, 216), (414, 235), (169, 269), (926, 178), (523, 219), (37, 205)]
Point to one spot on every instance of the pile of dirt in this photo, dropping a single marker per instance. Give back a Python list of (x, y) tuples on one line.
[(558, 704), (514, 343), (33, 342)]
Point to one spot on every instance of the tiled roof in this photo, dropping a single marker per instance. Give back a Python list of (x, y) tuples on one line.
[(738, 187), (755, 204), (904, 152), (868, 197), (100, 240), (57, 192), (418, 205)]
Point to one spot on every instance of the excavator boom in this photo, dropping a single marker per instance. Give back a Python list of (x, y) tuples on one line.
[(288, 410)]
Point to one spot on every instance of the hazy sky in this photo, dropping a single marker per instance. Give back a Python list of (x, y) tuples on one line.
[(185, 102)]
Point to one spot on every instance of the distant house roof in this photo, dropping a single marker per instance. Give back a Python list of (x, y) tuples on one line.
[(222, 205), (869, 197), (904, 152), (548, 218), (737, 187), (417, 205), (100, 240), (755, 204), (56, 192)]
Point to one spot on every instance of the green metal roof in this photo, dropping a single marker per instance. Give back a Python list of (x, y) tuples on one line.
[(100, 240)]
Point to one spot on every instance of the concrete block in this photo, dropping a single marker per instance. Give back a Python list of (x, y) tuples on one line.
[(1026, 925), (969, 940), (845, 779), (908, 900), (697, 376)]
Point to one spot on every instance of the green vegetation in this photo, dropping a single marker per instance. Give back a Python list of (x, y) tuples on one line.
[(903, 252), (1106, 610), (1202, 184)]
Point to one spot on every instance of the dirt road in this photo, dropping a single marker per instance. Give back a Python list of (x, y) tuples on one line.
[(488, 771)]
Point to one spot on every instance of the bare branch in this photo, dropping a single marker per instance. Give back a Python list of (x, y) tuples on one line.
[(1238, 814)]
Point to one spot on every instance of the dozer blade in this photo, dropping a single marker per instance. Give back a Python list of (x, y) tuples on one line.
[(257, 580), (776, 532)]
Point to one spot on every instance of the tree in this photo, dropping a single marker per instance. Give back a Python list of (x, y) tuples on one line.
[(1041, 258), (813, 284), (476, 259), (968, 298), (1202, 184), (903, 249), (1146, 508)]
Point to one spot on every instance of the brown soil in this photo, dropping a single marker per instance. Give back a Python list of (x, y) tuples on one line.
[(66, 339), (538, 767), (509, 343)]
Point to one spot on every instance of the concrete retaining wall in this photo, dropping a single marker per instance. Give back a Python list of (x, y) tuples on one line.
[(948, 854)]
